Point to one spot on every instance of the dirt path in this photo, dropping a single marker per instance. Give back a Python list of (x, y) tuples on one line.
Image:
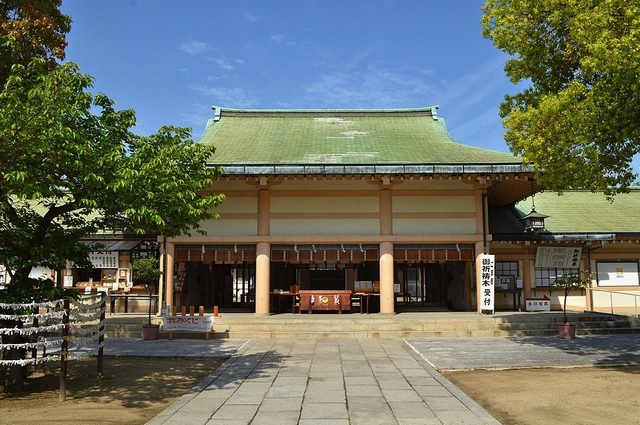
[(131, 391), (585, 396)]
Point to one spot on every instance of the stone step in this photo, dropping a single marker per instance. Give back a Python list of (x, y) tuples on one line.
[(412, 325)]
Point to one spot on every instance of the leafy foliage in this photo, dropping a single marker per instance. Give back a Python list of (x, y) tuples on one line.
[(71, 166), (31, 29), (567, 283), (146, 272), (577, 120)]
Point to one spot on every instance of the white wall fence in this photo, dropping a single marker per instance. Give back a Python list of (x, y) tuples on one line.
[(615, 302)]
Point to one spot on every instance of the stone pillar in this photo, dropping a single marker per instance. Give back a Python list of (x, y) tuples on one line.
[(169, 264), (387, 296), (263, 271)]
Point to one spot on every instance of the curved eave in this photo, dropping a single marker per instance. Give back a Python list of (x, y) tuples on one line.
[(369, 169)]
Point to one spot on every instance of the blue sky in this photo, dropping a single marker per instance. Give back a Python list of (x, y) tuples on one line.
[(171, 61)]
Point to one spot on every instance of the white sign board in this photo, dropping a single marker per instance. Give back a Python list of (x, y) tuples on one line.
[(187, 323), (618, 274), (538, 304), (104, 260), (487, 282), (558, 257)]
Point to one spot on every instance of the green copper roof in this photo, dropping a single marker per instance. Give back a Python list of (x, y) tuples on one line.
[(586, 212), (356, 137)]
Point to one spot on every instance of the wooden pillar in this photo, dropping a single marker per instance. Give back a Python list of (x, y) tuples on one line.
[(168, 273), (387, 304), (527, 277), (263, 267), (386, 212), (264, 210)]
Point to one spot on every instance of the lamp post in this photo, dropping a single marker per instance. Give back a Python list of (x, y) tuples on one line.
[(534, 221)]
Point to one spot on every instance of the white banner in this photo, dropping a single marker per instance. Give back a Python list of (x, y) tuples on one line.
[(487, 282), (187, 323)]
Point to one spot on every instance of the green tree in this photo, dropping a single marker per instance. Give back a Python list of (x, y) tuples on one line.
[(146, 272), (71, 165), (577, 119), (31, 29)]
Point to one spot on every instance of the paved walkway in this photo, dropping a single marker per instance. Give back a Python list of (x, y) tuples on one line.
[(357, 381)]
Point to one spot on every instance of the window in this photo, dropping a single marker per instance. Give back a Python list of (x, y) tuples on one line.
[(546, 275), (507, 268)]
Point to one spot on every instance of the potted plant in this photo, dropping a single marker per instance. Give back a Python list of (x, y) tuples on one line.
[(146, 272), (567, 283)]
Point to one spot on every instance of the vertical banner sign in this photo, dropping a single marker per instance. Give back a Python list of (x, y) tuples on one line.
[(487, 281)]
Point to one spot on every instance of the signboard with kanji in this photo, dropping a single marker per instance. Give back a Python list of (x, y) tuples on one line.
[(487, 282), (104, 260), (188, 323), (558, 257), (538, 304)]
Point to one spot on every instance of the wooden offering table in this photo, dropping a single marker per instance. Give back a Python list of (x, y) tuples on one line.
[(126, 296), (325, 300)]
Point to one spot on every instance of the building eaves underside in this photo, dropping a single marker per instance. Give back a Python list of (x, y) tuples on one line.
[(505, 184)]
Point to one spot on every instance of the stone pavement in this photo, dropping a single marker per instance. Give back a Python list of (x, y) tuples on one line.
[(357, 381), (523, 352)]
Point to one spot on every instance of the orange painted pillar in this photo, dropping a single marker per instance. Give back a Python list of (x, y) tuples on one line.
[(263, 270), (168, 273), (386, 279)]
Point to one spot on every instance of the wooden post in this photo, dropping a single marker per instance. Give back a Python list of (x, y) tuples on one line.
[(103, 309), (64, 351), (201, 313), (173, 313), (215, 311)]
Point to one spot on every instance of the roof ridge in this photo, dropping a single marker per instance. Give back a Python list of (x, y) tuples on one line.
[(219, 110)]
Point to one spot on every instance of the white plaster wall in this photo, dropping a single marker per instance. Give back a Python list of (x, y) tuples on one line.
[(440, 204), (453, 226), (239, 227), (356, 204), (325, 227), (233, 205)]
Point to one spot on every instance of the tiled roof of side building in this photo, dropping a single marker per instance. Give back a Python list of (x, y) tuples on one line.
[(391, 136), (586, 212)]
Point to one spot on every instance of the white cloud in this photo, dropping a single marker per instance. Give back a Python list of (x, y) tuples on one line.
[(251, 17), (372, 88), (193, 47), (231, 97), (223, 64), (197, 119), (278, 38)]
